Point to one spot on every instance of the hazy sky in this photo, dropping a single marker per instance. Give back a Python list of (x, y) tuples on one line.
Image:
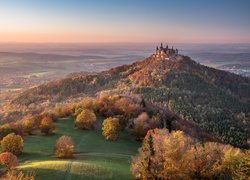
[(175, 21)]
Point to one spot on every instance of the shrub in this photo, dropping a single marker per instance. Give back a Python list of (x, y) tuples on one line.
[(9, 160), (47, 126), (64, 147), (28, 125), (12, 143), (85, 120), (110, 128)]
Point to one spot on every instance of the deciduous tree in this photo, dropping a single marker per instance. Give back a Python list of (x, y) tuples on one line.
[(110, 128)]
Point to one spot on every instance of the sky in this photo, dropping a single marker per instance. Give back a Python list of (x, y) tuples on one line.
[(82, 21)]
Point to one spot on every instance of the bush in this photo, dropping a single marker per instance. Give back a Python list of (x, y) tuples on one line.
[(85, 120), (47, 126), (64, 147), (12, 143), (9, 160), (110, 128)]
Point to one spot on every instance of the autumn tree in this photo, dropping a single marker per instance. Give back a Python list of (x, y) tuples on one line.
[(142, 165), (88, 103), (8, 160), (47, 125), (201, 160), (5, 130), (12, 143), (165, 155), (143, 123), (28, 125), (110, 128), (86, 120), (61, 111), (235, 163), (64, 147)]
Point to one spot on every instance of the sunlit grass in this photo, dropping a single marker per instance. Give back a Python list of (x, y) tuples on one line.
[(94, 158)]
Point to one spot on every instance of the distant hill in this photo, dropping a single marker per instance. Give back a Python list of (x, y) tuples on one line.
[(215, 100)]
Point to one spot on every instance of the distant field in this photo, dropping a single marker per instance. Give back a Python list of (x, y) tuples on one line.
[(95, 158)]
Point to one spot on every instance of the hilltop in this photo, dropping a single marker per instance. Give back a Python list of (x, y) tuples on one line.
[(213, 100)]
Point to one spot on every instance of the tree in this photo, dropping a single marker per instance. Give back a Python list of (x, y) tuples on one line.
[(12, 143), (142, 166), (143, 123), (28, 125), (86, 119), (89, 103), (64, 147), (236, 164), (5, 130), (165, 155), (61, 111), (201, 160), (47, 126), (9, 160), (110, 128)]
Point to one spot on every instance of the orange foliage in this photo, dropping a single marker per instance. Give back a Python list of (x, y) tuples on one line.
[(8, 159)]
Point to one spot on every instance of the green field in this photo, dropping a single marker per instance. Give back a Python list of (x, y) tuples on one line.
[(95, 158)]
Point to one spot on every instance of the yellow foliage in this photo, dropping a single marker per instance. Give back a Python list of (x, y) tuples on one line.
[(86, 119), (12, 143), (110, 128)]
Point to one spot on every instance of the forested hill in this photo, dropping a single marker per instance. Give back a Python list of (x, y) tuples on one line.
[(216, 100)]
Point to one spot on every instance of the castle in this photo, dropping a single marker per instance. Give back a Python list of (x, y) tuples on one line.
[(162, 52)]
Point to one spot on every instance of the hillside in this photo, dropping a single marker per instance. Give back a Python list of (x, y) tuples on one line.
[(94, 157), (215, 100)]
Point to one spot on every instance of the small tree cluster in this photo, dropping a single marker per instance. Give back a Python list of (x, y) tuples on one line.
[(8, 160), (47, 125), (110, 128), (86, 120), (12, 143), (64, 147)]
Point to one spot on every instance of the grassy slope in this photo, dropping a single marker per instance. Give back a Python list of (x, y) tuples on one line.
[(95, 158)]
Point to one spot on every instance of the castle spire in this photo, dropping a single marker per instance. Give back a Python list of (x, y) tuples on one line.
[(161, 45)]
